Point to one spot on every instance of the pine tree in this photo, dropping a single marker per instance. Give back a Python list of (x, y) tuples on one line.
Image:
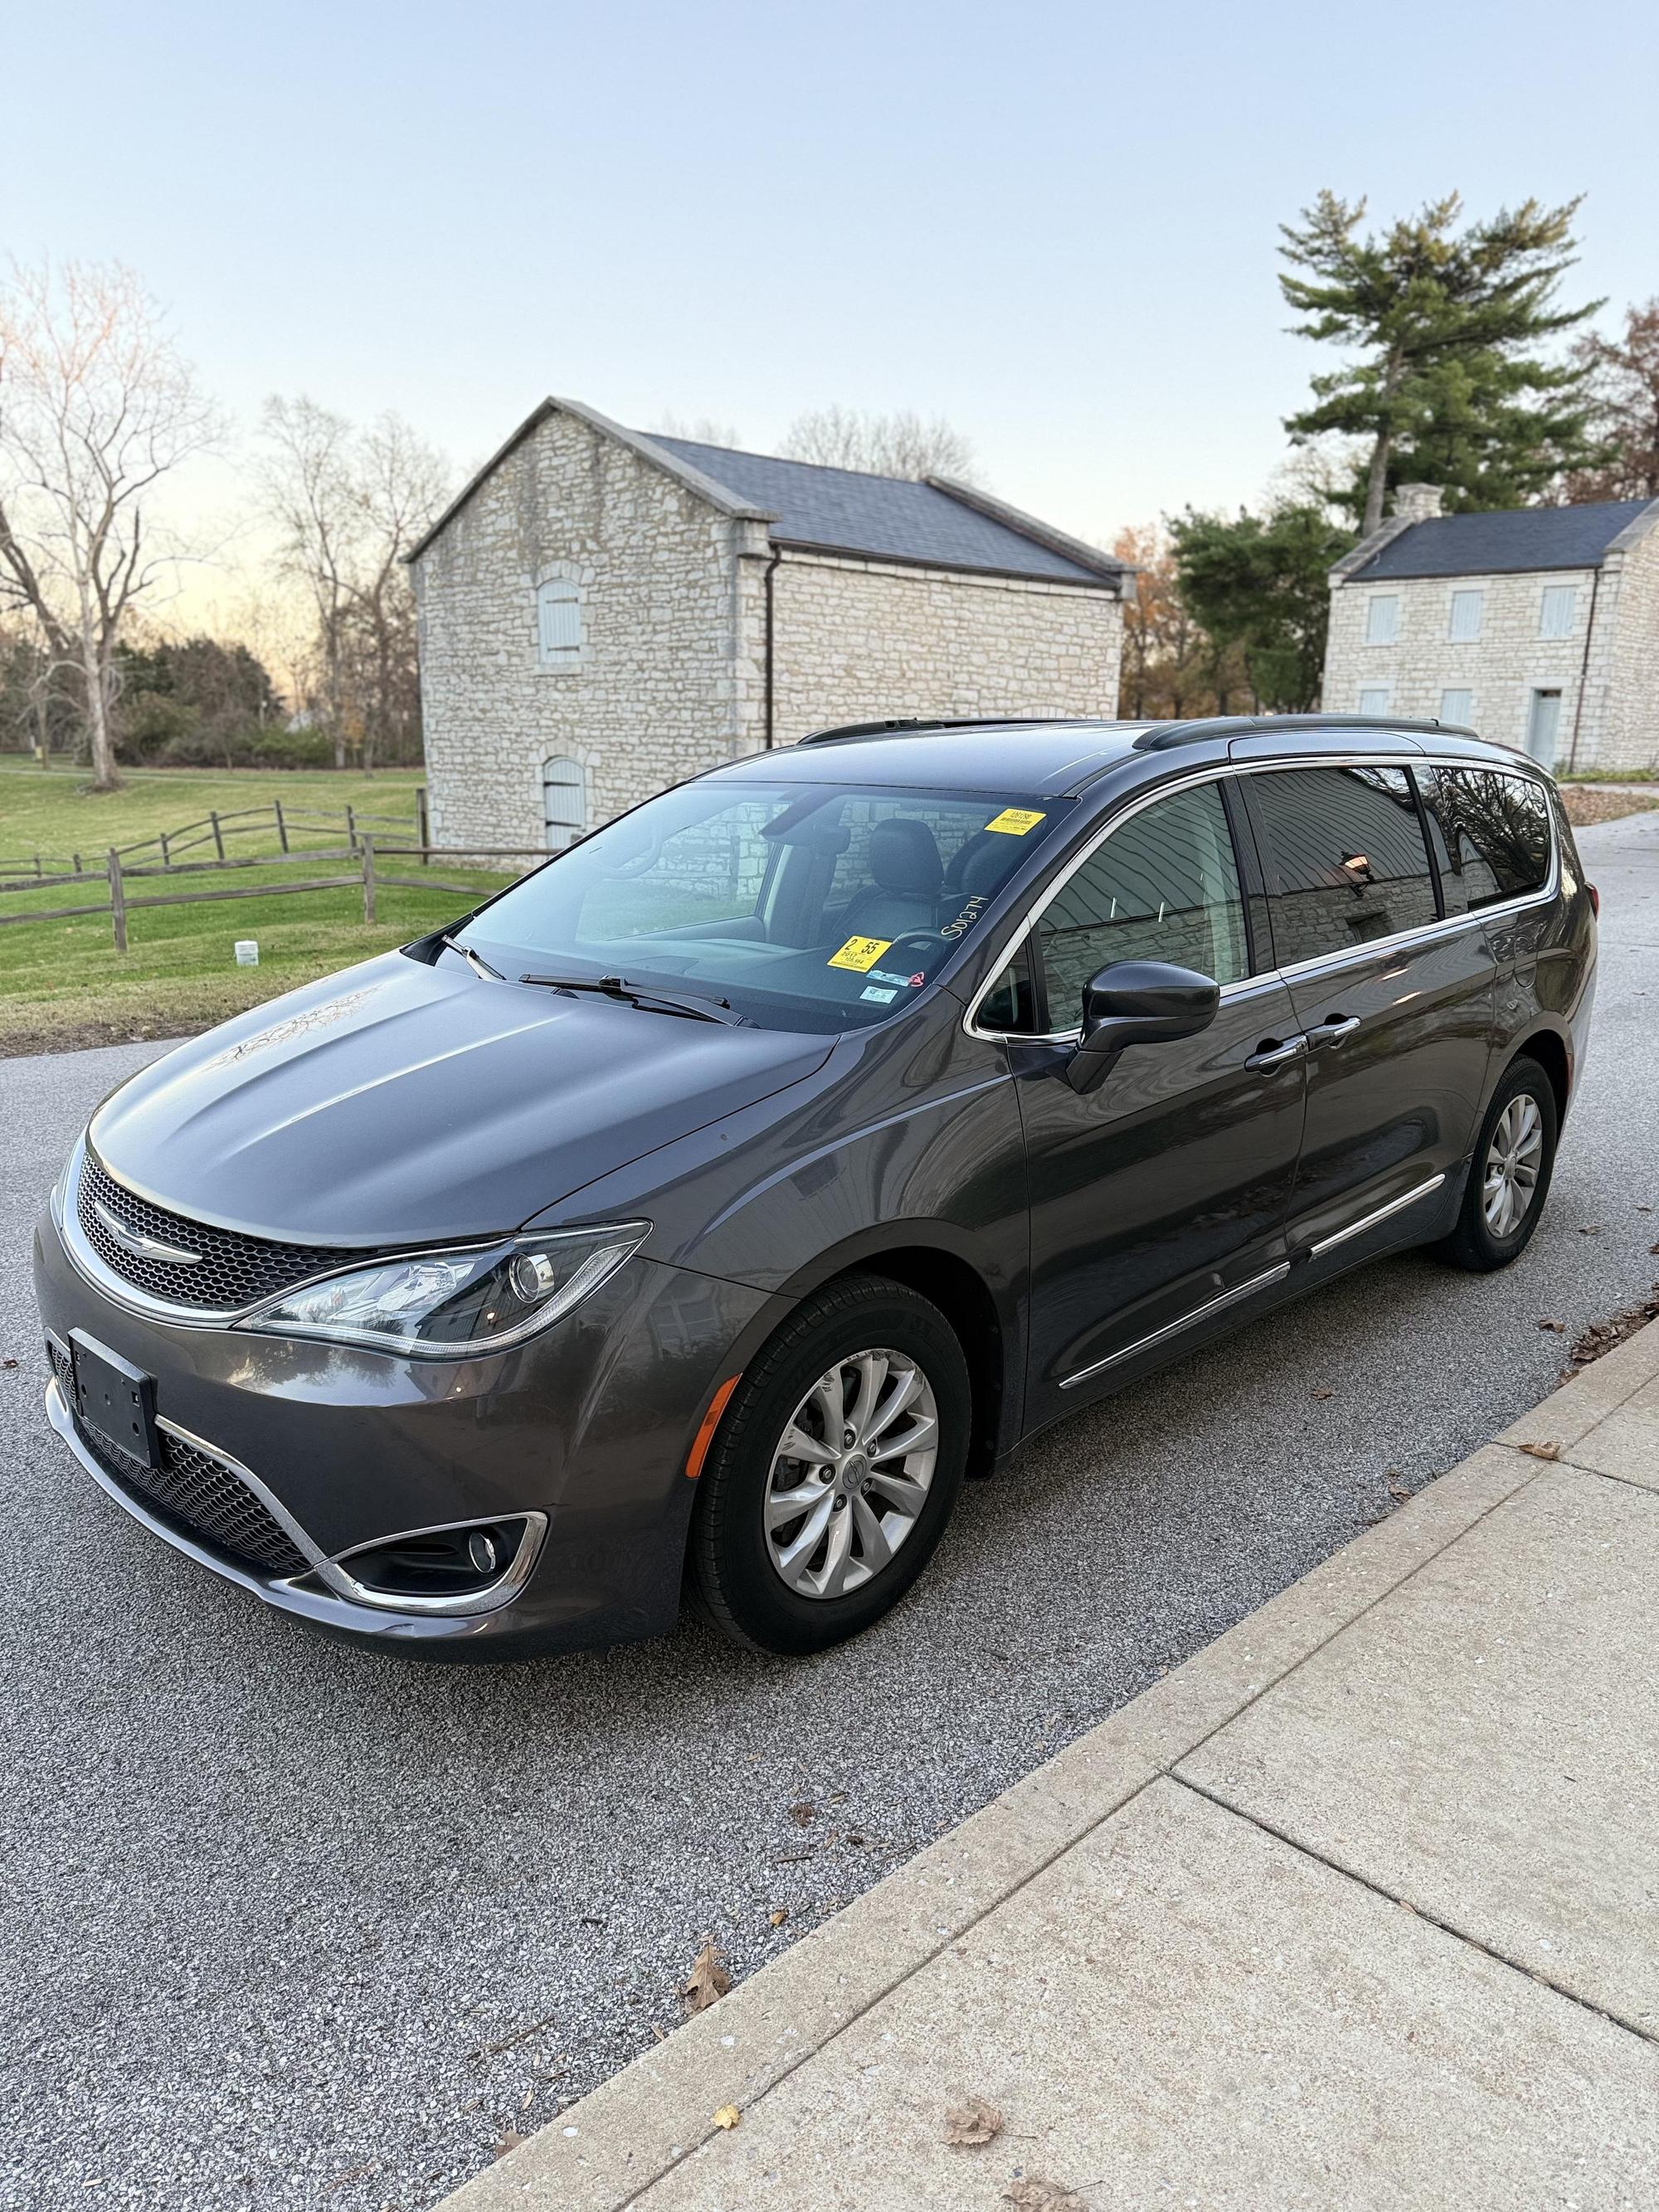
[(1446, 386)]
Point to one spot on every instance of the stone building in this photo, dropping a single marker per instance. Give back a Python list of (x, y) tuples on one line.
[(603, 613), (1537, 626)]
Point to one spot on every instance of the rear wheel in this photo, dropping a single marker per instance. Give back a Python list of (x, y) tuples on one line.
[(1510, 1176), (834, 1470)]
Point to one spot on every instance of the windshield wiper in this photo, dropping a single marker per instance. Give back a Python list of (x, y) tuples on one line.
[(641, 994), (475, 961)]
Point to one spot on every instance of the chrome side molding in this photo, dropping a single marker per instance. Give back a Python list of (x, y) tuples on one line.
[(1186, 1320), (1378, 1213)]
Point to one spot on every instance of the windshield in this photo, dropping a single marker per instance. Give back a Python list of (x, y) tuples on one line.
[(817, 907)]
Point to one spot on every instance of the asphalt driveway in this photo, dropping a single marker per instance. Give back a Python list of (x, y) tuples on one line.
[(290, 1925)]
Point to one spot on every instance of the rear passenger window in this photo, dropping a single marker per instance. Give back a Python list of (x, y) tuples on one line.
[(1163, 887), (1491, 831), (1347, 860)]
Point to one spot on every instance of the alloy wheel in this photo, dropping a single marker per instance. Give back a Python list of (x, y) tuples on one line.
[(1514, 1159), (851, 1473)]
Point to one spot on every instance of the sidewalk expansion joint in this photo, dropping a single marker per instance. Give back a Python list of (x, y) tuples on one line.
[(1433, 1920)]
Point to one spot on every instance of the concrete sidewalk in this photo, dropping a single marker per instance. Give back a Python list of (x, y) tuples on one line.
[(1360, 1907)]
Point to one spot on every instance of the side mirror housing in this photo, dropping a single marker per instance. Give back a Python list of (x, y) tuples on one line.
[(1138, 1002)]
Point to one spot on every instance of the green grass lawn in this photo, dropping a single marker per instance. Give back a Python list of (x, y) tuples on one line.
[(62, 983)]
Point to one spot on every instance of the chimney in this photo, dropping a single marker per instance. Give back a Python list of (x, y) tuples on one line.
[(1418, 502)]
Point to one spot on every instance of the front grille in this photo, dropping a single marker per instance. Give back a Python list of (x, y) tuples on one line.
[(233, 1271), (194, 1493)]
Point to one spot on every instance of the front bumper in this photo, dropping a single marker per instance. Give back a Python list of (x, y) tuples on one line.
[(587, 1425)]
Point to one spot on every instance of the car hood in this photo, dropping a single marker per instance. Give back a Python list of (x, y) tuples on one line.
[(399, 1102)]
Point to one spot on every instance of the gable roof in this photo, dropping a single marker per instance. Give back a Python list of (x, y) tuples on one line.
[(938, 524), (1508, 543)]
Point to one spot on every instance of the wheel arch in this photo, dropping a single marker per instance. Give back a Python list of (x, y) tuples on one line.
[(1553, 1053)]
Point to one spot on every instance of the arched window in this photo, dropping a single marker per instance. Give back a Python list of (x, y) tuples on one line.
[(559, 622), (564, 802)]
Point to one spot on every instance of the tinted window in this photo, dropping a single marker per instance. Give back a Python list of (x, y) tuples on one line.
[(1163, 887), (802, 906), (1492, 833), (1346, 858)]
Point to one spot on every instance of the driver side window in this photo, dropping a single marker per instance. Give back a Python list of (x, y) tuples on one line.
[(1165, 886)]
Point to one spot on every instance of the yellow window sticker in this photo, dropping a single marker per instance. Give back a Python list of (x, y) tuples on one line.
[(859, 953), (1015, 821)]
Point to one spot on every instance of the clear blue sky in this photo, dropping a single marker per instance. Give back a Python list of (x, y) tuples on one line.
[(1054, 224)]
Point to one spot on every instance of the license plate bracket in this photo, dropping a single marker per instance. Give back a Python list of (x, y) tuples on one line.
[(115, 1400)]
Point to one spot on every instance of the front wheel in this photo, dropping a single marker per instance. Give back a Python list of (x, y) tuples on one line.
[(1509, 1175), (835, 1469)]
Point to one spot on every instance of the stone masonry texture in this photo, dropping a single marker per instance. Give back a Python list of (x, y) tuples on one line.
[(670, 678)]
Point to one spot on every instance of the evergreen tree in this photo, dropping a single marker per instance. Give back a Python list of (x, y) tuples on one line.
[(1260, 583), (1446, 386)]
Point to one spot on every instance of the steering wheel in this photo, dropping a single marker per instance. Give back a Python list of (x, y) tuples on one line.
[(930, 939), (624, 872)]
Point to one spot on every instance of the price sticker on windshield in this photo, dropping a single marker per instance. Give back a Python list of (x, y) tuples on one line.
[(860, 954), (1016, 821)]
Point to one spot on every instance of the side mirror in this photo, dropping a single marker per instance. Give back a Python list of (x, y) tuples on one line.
[(1138, 1002)]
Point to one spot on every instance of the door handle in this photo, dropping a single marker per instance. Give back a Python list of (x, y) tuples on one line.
[(1332, 1031), (1270, 1056)]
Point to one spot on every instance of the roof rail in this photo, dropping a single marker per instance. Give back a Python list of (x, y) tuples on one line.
[(1246, 726), (912, 725)]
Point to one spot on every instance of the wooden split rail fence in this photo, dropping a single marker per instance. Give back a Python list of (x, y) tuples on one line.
[(370, 874), (286, 822)]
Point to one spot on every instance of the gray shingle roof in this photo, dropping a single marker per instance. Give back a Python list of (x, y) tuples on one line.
[(845, 511), (1503, 543)]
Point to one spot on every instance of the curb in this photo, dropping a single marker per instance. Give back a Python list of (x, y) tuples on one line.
[(610, 2146)]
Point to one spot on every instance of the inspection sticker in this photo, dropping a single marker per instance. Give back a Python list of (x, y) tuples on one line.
[(859, 953), (881, 997), (1015, 821)]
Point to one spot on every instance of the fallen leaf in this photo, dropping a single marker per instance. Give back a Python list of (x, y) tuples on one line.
[(1644, 1209), (728, 2118), (1595, 1229), (1557, 1327), (1397, 1489), (1034, 2194), (709, 1980), (509, 2140), (803, 1815), (778, 1914), (1542, 1451), (1324, 1394), (7, 1363), (968, 2125)]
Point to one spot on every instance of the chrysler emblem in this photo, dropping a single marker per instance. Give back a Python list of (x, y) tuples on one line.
[(145, 1248)]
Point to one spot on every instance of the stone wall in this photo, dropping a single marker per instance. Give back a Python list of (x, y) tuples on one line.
[(857, 640), (666, 682), (1630, 730), (1502, 667)]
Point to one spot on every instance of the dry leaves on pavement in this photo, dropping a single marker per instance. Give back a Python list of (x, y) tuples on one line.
[(1547, 1450), (509, 2140), (1034, 2194), (803, 1815), (728, 2118), (972, 2123), (778, 1914), (1557, 1328), (709, 1980)]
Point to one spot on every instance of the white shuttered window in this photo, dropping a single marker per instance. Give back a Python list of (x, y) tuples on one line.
[(559, 622), (1456, 706), (1558, 604), (1467, 609), (1382, 619)]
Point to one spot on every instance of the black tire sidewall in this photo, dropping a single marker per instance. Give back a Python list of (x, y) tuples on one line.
[(1490, 1251), (740, 1586)]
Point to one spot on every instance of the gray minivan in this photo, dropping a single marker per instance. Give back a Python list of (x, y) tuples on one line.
[(702, 1208)]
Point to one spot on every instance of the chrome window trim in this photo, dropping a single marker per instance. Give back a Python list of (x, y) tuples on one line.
[(1275, 1274), (1377, 1214), (1399, 939)]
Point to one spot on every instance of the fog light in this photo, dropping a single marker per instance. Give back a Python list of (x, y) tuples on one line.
[(437, 1563), (484, 1552)]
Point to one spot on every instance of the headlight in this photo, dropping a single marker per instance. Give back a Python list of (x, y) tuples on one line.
[(455, 1305)]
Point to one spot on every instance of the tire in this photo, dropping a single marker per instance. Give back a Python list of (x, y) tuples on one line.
[(1521, 1122), (852, 1344)]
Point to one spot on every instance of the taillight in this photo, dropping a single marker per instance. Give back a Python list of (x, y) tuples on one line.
[(1595, 900)]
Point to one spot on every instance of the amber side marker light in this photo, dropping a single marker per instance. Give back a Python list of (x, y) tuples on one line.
[(710, 1422)]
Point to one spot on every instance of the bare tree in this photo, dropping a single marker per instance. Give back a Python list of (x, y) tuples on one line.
[(96, 407), (1624, 388), (347, 505), (901, 445), (699, 430)]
